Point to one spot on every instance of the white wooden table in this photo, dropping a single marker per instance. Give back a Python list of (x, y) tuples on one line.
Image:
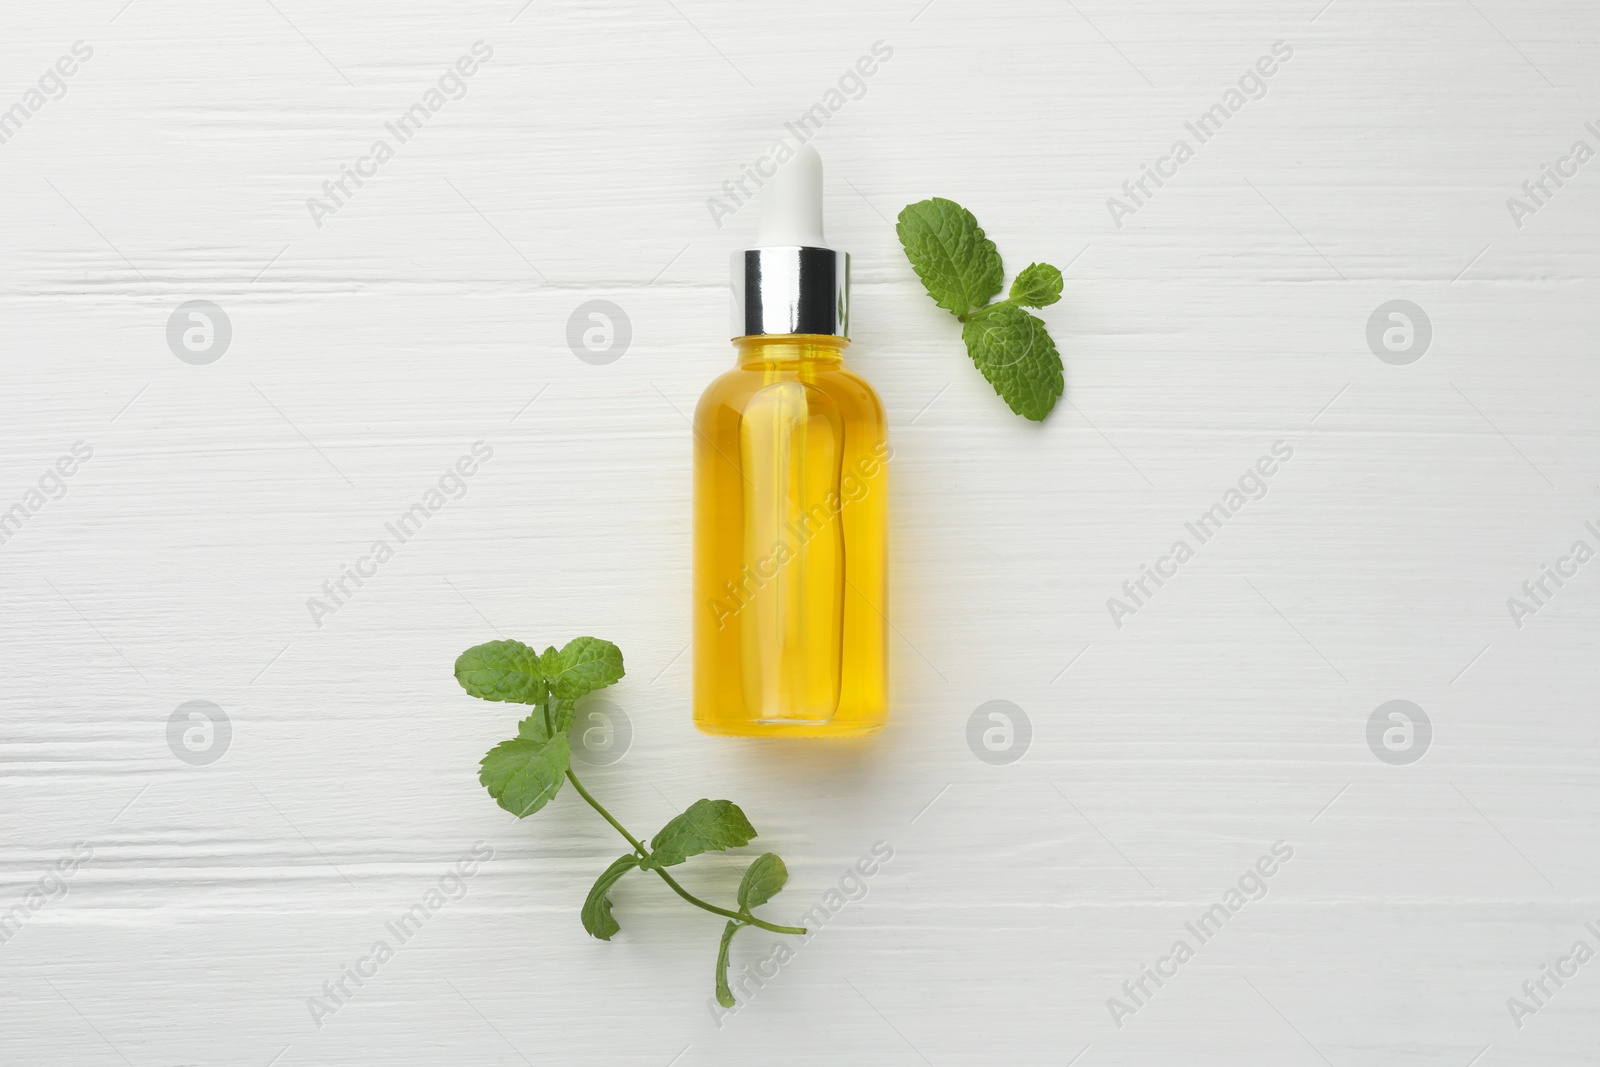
[(219, 872)]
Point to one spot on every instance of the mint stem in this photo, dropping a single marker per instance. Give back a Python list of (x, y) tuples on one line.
[(604, 814), (644, 853)]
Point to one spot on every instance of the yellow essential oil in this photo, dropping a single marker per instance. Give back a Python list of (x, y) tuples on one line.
[(791, 461)]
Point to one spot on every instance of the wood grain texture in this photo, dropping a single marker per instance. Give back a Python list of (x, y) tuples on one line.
[(1167, 755)]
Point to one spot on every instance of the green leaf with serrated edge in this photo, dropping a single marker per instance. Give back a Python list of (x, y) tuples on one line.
[(501, 670), (533, 729), (582, 666), (958, 265), (705, 826), (762, 880), (724, 994), (597, 908), (561, 714), (1039, 285), (1014, 351), (522, 774)]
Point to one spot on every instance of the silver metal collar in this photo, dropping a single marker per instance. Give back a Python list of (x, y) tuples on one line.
[(792, 289)]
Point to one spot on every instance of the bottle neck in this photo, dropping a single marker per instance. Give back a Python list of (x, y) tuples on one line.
[(768, 348)]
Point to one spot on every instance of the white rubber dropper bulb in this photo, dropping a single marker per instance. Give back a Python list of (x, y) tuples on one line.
[(791, 203)]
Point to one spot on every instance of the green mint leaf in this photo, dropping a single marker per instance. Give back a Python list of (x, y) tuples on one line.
[(1039, 285), (584, 665), (522, 774), (501, 670), (597, 908), (724, 994), (705, 826), (561, 714), (762, 880), (958, 265), (532, 728), (1014, 351), (961, 270)]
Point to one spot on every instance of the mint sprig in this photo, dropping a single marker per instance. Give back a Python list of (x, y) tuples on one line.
[(961, 269), (525, 772)]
